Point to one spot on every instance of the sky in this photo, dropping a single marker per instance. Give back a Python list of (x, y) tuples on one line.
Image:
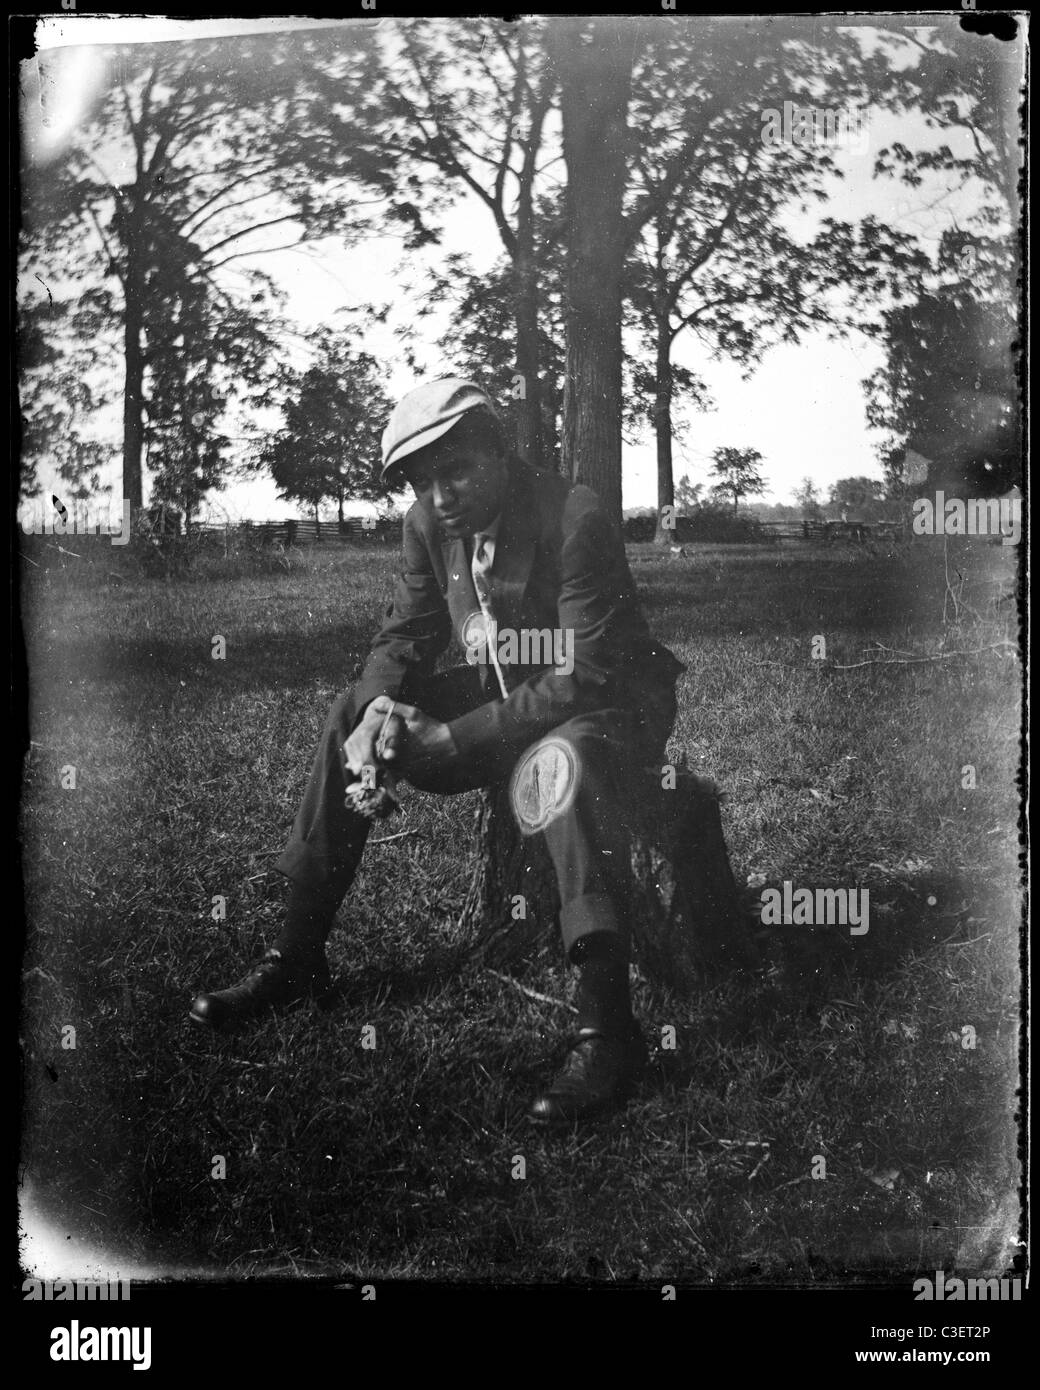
[(803, 408)]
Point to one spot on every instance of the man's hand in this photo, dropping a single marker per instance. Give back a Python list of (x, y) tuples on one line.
[(427, 743), (360, 749), (413, 741)]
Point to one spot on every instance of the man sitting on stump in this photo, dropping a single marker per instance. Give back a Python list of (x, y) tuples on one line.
[(493, 549)]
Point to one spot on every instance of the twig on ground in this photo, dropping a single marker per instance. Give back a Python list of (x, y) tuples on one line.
[(950, 596), (896, 651), (697, 1240), (533, 993), (792, 1183), (919, 660), (759, 1165), (385, 839)]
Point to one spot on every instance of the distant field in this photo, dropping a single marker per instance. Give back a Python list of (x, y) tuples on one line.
[(399, 1160)]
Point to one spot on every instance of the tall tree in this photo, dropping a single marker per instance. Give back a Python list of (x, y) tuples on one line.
[(611, 104), (737, 471), (327, 446), (718, 257), (467, 104), (197, 155), (860, 495), (594, 60), (409, 112), (965, 84), (204, 351), (60, 399), (951, 389), (688, 494), (948, 390), (808, 499), (480, 341)]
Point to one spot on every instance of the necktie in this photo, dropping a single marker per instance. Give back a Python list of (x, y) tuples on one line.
[(481, 567)]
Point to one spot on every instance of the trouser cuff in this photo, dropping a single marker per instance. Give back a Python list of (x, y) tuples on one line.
[(585, 916)]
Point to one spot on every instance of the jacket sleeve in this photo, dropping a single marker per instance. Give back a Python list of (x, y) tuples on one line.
[(596, 605), (416, 626)]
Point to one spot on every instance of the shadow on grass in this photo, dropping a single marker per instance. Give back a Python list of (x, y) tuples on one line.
[(759, 597), (396, 985), (256, 661), (794, 600), (800, 970)]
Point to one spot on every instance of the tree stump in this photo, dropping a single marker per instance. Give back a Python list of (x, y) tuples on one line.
[(687, 920)]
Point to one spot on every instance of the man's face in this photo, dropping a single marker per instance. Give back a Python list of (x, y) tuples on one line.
[(462, 485)]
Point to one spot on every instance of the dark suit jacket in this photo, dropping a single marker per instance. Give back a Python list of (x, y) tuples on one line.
[(559, 563)]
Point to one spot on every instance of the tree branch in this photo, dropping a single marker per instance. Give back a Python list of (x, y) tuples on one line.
[(246, 231), (113, 263), (259, 251)]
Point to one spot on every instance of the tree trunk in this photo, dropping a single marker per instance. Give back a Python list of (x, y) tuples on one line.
[(595, 82), (530, 443), (531, 430), (663, 428), (688, 924), (133, 387)]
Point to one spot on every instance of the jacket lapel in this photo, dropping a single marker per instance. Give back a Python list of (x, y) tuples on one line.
[(514, 549), (462, 598), (514, 555)]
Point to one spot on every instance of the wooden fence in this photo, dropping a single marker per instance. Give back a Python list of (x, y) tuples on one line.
[(828, 532), (377, 531), (354, 530)]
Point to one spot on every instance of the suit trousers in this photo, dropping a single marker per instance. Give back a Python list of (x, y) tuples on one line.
[(588, 842)]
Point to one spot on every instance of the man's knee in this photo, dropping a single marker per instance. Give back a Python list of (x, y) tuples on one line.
[(619, 740), (594, 724), (555, 778), (601, 739)]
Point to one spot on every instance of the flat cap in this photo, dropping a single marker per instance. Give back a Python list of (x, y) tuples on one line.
[(425, 413)]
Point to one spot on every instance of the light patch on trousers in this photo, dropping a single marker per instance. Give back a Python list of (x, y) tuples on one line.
[(544, 784)]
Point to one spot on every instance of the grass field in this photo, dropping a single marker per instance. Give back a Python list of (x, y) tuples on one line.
[(400, 1160)]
